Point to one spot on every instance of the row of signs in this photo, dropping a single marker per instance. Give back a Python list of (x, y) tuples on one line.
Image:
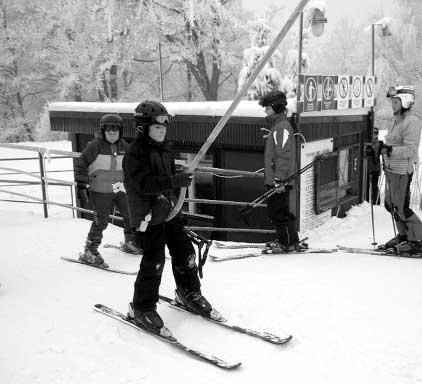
[(321, 92)]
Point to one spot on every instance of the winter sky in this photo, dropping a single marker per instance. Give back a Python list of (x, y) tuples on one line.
[(336, 9)]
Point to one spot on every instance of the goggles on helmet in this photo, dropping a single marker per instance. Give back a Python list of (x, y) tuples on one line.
[(161, 119), (111, 127), (395, 91)]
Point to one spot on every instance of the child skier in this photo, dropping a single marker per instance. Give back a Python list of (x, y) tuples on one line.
[(150, 181), (99, 172)]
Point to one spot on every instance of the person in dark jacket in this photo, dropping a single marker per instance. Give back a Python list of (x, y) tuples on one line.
[(280, 163), (150, 181), (99, 178)]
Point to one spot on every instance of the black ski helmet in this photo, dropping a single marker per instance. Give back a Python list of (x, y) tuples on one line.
[(111, 119), (275, 99), (146, 114)]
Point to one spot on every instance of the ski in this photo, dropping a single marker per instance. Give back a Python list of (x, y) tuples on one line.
[(99, 267), (266, 336), (172, 340), (120, 248), (368, 251), (238, 245), (265, 252)]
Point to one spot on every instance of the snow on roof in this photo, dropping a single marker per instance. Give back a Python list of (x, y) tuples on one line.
[(201, 108)]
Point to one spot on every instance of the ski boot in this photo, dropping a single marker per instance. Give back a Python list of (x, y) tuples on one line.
[(197, 303), (129, 245), (276, 247), (149, 320), (410, 247), (393, 242), (92, 256)]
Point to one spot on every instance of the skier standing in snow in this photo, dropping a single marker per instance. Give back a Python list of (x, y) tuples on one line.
[(150, 181), (400, 154), (280, 162), (99, 178)]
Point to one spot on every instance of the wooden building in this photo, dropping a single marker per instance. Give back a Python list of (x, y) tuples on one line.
[(330, 187)]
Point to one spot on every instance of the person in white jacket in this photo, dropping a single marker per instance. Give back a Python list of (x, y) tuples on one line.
[(400, 154)]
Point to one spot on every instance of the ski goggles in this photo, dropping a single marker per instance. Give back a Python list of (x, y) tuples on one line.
[(111, 127), (394, 91), (161, 120)]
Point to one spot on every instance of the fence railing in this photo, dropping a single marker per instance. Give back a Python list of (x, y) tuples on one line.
[(45, 181)]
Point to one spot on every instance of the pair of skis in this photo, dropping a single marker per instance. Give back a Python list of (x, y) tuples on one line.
[(266, 336), (264, 251), (379, 252), (109, 269)]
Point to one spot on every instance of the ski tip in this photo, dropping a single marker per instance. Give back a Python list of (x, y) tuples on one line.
[(286, 340), (232, 365)]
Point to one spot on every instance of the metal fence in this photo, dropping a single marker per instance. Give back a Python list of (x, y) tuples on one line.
[(46, 182)]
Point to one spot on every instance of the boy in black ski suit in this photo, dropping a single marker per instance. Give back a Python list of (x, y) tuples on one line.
[(150, 181), (99, 178), (280, 163)]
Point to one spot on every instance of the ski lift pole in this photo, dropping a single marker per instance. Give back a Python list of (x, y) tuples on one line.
[(222, 122)]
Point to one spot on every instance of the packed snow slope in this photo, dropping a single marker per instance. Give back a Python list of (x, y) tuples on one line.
[(355, 318)]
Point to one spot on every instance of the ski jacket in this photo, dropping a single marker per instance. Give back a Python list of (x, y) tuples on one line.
[(403, 135), (280, 150), (100, 165), (148, 169)]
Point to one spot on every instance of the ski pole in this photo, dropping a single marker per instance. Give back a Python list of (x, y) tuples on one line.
[(374, 243), (392, 211), (272, 190)]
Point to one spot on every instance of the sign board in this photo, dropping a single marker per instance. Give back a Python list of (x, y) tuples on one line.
[(356, 91), (331, 92), (308, 218), (369, 91), (343, 92), (327, 92), (310, 93)]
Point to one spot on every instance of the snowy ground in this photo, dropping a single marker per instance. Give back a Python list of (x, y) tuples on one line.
[(355, 318)]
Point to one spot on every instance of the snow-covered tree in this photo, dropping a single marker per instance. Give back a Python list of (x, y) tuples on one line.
[(195, 34), (269, 78)]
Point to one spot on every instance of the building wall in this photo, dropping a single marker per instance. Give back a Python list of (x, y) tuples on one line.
[(239, 146)]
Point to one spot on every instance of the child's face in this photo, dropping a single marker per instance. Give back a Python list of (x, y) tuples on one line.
[(157, 132), (269, 110), (112, 136)]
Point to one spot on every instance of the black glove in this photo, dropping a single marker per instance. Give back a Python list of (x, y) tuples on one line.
[(369, 151), (385, 149), (82, 191), (182, 179)]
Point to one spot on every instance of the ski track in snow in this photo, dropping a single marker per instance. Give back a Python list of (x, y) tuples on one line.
[(355, 318)]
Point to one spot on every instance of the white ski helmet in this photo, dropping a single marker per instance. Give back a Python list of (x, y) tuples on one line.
[(405, 93)]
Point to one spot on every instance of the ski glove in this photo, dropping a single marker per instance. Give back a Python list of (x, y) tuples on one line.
[(279, 187), (82, 192), (369, 151), (385, 149), (182, 179)]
